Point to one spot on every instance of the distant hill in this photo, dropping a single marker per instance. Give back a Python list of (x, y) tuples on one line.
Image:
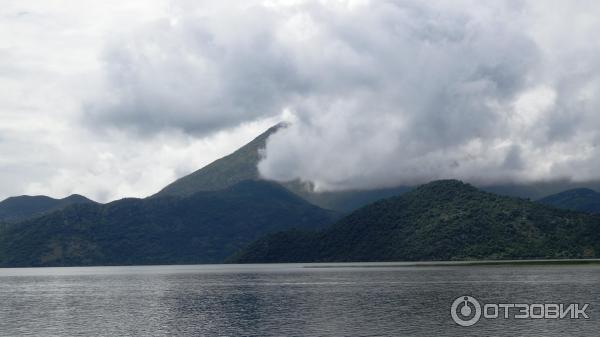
[(343, 201), (538, 190), (442, 220), (579, 199), (19, 208), (202, 228)]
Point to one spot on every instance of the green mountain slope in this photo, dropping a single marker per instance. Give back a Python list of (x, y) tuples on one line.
[(222, 173), (443, 220), (580, 199), (202, 228), (19, 208)]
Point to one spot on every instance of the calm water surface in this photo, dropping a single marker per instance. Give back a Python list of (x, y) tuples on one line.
[(286, 300)]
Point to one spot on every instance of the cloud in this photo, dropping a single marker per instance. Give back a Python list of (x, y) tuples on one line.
[(51, 70), (114, 99), (120, 165), (408, 92), (383, 92), (199, 69)]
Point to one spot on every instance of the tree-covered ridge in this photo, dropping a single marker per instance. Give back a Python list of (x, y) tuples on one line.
[(442, 220), (202, 228), (579, 199), (23, 207)]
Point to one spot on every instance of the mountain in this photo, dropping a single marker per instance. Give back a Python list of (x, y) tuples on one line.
[(242, 165), (442, 220), (15, 209), (222, 173), (579, 199), (538, 190), (202, 228)]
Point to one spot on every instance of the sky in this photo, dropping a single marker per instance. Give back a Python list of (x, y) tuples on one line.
[(114, 99)]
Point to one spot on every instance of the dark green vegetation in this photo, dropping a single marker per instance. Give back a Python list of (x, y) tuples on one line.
[(20, 208), (202, 228), (579, 199), (442, 220)]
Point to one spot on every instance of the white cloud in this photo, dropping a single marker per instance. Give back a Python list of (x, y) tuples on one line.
[(114, 98), (119, 165), (51, 66), (488, 92)]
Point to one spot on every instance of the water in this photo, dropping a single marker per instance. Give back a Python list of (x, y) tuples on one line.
[(286, 300)]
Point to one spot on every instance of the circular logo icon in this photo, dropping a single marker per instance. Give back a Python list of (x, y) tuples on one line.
[(465, 311)]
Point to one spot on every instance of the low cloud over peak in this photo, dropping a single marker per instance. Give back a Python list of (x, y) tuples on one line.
[(486, 93)]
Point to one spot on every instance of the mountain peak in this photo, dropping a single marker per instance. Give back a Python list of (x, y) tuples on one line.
[(27, 206), (445, 187), (77, 198), (448, 183), (225, 172)]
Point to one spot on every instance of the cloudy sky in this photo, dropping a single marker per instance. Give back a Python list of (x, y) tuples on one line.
[(118, 98)]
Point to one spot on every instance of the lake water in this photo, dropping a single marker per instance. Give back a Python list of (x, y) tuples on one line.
[(287, 300)]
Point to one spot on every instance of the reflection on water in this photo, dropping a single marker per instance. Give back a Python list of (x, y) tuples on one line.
[(286, 300)]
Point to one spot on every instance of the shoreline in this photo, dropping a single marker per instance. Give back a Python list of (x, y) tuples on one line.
[(549, 262), (374, 264)]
